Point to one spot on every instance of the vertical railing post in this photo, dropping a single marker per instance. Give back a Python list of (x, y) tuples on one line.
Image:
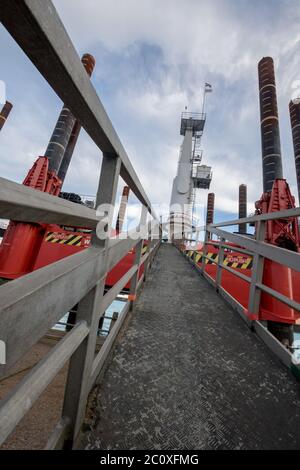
[(156, 240), (137, 258), (114, 318), (77, 386), (204, 250), (160, 229), (257, 273), (152, 245), (147, 262), (220, 263)]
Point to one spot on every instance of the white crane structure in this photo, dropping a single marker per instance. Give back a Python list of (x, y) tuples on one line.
[(191, 175)]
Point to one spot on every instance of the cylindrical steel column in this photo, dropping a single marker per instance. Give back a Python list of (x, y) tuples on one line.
[(210, 209), (66, 159), (5, 113), (89, 64), (242, 207), (59, 139), (270, 137), (272, 164), (63, 130), (295, 123), (122, 209)]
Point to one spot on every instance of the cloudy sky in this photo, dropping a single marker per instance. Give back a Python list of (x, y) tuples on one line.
[(153, 58)]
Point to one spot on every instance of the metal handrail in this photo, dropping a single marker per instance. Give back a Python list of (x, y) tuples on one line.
[(18, 202), (272, 252), (230, 247), (258, 249), (295, 212), (20, 399), (189, 115), (64, 72), (29, 302)]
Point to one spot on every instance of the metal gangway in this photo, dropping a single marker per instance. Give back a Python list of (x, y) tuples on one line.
[(188, 373), (180, 324)]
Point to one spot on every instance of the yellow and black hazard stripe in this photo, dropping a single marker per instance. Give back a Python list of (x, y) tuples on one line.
[(192, 254), (212, 258), (245, 264), (74, 240)]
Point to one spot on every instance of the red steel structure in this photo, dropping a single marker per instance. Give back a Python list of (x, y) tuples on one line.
[(276, 196), (19, 250), (28, 246)]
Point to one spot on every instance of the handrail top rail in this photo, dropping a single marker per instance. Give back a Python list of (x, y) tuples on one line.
[(295, 212)]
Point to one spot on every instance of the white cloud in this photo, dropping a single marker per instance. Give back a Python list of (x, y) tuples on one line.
[(219, 41), (225, 36)]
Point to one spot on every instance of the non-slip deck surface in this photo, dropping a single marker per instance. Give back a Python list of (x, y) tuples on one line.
[(189, 374)]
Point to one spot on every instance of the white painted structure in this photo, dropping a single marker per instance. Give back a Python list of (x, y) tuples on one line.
[(191, 175)]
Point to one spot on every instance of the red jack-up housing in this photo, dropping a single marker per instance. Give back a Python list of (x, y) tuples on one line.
[(22, 241), (30, 246), (276, 197)]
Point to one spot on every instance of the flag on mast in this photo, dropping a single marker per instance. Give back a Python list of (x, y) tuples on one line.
[(208, 88)]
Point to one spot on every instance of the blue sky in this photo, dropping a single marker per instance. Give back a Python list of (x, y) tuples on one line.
[(152, 58)]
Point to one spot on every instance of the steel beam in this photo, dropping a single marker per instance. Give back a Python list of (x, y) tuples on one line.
[(236, 273), (286, 300), (257, 272), (232, 248), (272, 252), (57, 438), (35, 302), (295, 212), (137, 260), (102, 355), (110, 296), (20, 400), (24, 204), (220, 263), (76, 392)]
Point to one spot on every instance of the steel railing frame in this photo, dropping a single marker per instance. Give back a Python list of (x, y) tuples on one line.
[(259, 250), (35, 302)]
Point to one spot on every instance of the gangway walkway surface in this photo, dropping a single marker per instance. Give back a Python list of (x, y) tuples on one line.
[(188, 374)]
